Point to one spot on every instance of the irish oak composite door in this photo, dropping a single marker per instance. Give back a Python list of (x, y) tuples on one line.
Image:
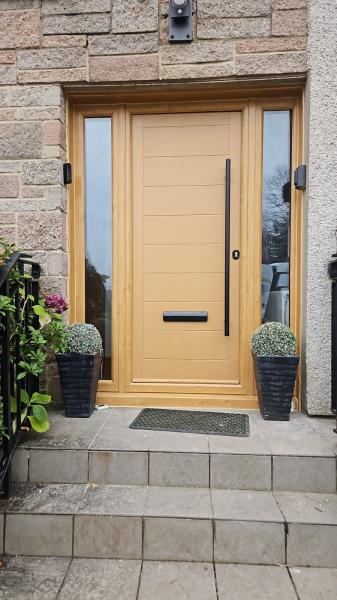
[(186, 228)]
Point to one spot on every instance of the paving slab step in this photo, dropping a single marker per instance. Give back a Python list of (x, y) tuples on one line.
[(55, 578), (171, 524), (299, 455), (225, 470)]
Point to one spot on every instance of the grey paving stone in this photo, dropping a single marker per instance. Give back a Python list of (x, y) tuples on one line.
[(240, 471), (101, 579), (46, 498), (174, 581), (58, 466), (20, 465), (179, 469), (122, 439), (315, 584), (178, 539), (308, 507), (32, 578), (107, 537), (38, 535), (312, 545), (249, 542), (304, 474), (179, 502), (114, 500), (242, 505), (254, 582), (164, 441), (256, 443), (298, 444), (118, 468)]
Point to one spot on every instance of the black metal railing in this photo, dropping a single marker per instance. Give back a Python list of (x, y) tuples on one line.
[(19, 280)]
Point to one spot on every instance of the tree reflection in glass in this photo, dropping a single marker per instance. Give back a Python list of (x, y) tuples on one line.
[(98, 231), (276, 198)]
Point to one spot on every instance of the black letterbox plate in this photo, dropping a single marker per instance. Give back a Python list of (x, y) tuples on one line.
[(185, 315)]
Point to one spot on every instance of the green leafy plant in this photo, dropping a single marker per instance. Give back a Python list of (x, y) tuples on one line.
[(55, 334), (6, 250), (83, 339), (33, 409), (273, 339)]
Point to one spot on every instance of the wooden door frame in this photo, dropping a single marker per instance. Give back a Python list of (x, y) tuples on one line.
[(251, 267)]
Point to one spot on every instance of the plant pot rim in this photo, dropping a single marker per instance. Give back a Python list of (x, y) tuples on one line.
[(77, 353), (274, 356)]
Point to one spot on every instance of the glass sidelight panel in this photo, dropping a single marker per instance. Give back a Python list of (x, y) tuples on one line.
[(276, 198), (98, 231)]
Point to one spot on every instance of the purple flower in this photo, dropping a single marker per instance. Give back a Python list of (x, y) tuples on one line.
[(56, 302)]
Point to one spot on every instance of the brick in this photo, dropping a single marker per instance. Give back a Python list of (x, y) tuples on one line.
[(233, 8), (20, 140), (10, 166), (53, 133), (197, 71), (20, 29), (134, 16), (32, 191), (33, 96), (53, 75), (52, 58), (40, 113), (197, 52), (267, 64), (41, 231), (124, 68), (128, 43), (289, 22), (42, 172), (17, 4), (277, 44), (56, 198), (9, 233), (85, 23), (284, 4), (8, 114), (7, 57), (233, 28), (58, 7), (13, 205), (53, 152), (7, 218), (64, 41), (9, 185), (7, 74)]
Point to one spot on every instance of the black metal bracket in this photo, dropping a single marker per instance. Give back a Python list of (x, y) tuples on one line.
[(67, 174), (180, 21), (185, 316), (300, 177)]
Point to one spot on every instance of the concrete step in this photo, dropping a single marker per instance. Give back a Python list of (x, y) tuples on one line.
[(171, 524), (54, 578), (242, 471), (299, 455)]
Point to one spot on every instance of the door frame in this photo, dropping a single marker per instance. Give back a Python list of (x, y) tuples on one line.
[(243, 396)]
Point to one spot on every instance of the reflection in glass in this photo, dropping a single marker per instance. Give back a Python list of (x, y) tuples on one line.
[(98, 231), (276, 196)]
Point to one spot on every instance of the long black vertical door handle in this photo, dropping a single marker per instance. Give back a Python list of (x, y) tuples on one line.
[(227, 246)]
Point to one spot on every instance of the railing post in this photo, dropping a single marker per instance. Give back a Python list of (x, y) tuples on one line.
[(5, 392)]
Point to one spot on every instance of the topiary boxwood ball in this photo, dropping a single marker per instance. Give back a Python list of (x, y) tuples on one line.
[(273, 339), (83, 339)]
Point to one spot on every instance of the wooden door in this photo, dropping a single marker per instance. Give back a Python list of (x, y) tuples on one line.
[(179, 246)]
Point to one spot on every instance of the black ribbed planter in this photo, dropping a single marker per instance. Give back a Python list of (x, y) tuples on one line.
[(275, 381), (79, 376)]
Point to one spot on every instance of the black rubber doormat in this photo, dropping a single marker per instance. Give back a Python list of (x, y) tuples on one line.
[(192, 421)]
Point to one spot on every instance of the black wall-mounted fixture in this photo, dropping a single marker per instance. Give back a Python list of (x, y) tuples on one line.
[(300, 177), (67, 174), (180, 21)]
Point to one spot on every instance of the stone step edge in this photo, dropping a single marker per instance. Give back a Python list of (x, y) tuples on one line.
[(187, 469)]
